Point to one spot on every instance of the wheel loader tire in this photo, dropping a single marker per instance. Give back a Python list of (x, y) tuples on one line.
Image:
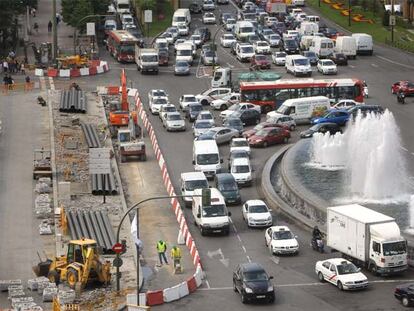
[(54, 277), (72, 277)]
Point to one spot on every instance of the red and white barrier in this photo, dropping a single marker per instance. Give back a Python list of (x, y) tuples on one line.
[(96, 67), (189, 286)]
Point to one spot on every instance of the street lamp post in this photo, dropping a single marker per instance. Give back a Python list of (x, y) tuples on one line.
[(349, 13), (214, 44), (137, 207)]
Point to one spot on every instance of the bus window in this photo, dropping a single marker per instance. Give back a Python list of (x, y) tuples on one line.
[(249, 95), (265, 95)]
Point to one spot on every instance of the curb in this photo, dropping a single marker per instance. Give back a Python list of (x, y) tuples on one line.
[(96, 67)]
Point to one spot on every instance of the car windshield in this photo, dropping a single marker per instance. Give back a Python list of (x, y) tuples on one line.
[(346, 268), (210, 53), (234, 122), (230, 21), (228, 186), (274, 37), (184, 52), (258, 209), (228, 37), (284, 109), (169, 109), (282, 235), (181, 64), (149, 58), (196, 108), (282, 54), (255, 276), (290, 43), (328, 63), (195, 184), (174, 117), (214, 211), (240, 169), (315, 128), (127, 49), (189, 99), (160, 101), (205, 116), (262, 133), (196, 37), (158, 94), (246, 29), (394, 248), (301, 62), (310, 54), (240, 143), (207, 158), (260, 57), (202, 125), (261, 44)]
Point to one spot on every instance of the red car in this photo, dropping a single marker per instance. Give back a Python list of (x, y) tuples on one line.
[(407, 87), (260, 61), (258, 127), (163, 58), (269, 136)]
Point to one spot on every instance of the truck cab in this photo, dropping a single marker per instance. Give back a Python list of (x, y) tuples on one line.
[(191, 181), (212, 218), (221, 77)]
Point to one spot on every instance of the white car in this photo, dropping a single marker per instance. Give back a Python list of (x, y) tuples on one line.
[(196, 39), (341, 273), (280, 240), (186, 100), (230, 24), (279, 58), (241, 171), (200, 127), (244, 52), (182, 29), (327, 67), (225, 102), (227, 40), (345, 104), (173, 122), (207, 116), (239, 143), (261, 47), (208, 5), (209, 18), (287, 121), (257, 214), (164, 109), (127, 19), (157, 93), (156, 104), (207, 96), (191, 181), (169, 37), (177, 42), (238, 107)]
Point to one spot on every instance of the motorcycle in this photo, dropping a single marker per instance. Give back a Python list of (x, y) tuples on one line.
[(317, 244)]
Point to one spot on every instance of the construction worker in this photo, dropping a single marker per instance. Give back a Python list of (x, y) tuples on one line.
[(162, 248), (176, 256)]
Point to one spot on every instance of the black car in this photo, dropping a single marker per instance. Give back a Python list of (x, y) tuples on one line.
[(204, 32), (339, 58), (329, 32), (195, 8), (405, 294), (313, 58), (248, 116), (252, 39), (228, 187), (290, 46), (364, 109), (253, 283), (192, 111), (323, 128)]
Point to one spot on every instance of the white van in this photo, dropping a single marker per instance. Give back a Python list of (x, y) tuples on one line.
[(241, 171), (346, 45), (322, 46), (122, 6), (243, 29), (313, 19), (191, 181), (181, 16), (296, 11), (308, 28), (214, 218), (184, 52), (298, 65), (206, 157), (364, 43), (305, 42), (302, 110)]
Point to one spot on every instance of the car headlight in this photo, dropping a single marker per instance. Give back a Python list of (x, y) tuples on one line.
[(349, 283), (250, 219), (269, 218), (248, 290), (270, 288)]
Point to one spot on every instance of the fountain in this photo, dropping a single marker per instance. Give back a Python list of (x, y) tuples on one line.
[(328, 152)]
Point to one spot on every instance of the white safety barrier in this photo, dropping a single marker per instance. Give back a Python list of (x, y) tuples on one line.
[(39, 72), (171, 294), (64, 73), (84, 71), (131, 299), (183, 289), (198, 276)]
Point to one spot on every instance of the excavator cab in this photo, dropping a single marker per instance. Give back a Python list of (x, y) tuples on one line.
[(77, 252)]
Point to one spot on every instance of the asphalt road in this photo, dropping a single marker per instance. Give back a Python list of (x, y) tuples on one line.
[(296, 283)]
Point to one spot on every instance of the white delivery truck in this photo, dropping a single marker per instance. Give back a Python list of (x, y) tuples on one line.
[(367, 237), (346, 45), (206, 157), (322, 46), (364, 43), (181, 16), (213, 218), (146, 60), (302, 110), (308, 28), (184, 52), (298, 65), (243, 29)]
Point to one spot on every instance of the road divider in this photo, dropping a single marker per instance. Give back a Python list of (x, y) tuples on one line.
[(96, 67)]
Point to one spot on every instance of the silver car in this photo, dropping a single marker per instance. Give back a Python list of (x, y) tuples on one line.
[(200, 127), (174, 122), (209, 58), (222, 135)]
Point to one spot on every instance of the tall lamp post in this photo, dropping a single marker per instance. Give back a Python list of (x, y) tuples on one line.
[(214, 44), (349, 13)]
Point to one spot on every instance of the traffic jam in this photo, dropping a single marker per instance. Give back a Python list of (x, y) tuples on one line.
[(284, 80)]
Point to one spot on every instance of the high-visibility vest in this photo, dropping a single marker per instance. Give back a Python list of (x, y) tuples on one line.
[(176, 253), (161, 247)]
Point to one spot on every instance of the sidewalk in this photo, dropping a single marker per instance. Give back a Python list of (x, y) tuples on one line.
[(157, 221)]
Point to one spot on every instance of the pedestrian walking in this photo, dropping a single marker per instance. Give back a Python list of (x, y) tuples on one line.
[(10, 82), (5, 66), (36, 27), (161, 249), (49, 26)]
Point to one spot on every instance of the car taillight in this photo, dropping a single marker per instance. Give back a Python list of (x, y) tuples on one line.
[(382, 260)]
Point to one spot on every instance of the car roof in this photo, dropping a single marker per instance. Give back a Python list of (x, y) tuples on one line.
[(241, 161), (251, 266), (280, 228), (173, 113), (225, 177), (193, 176), (255, 202), (239, 139)]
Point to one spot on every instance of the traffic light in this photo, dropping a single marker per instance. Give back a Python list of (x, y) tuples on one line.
[(206, 197)]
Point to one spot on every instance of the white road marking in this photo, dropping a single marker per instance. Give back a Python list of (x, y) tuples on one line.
[(51, 83), (275, 259), (239, 238), (403, 148), (208, 285), (352, 66), (219, 253), (244, 249), (374, 65), (394, 62)]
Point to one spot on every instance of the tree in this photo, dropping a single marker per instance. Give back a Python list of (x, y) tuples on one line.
[(74, 10), (386, 18)]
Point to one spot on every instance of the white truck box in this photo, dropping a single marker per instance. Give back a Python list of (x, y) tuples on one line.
[(146, 59)]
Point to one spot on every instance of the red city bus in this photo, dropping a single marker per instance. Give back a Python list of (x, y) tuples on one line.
[(271, 94), (121, 45)]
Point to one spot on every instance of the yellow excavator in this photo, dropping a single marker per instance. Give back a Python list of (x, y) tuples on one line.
[(80, 265)]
